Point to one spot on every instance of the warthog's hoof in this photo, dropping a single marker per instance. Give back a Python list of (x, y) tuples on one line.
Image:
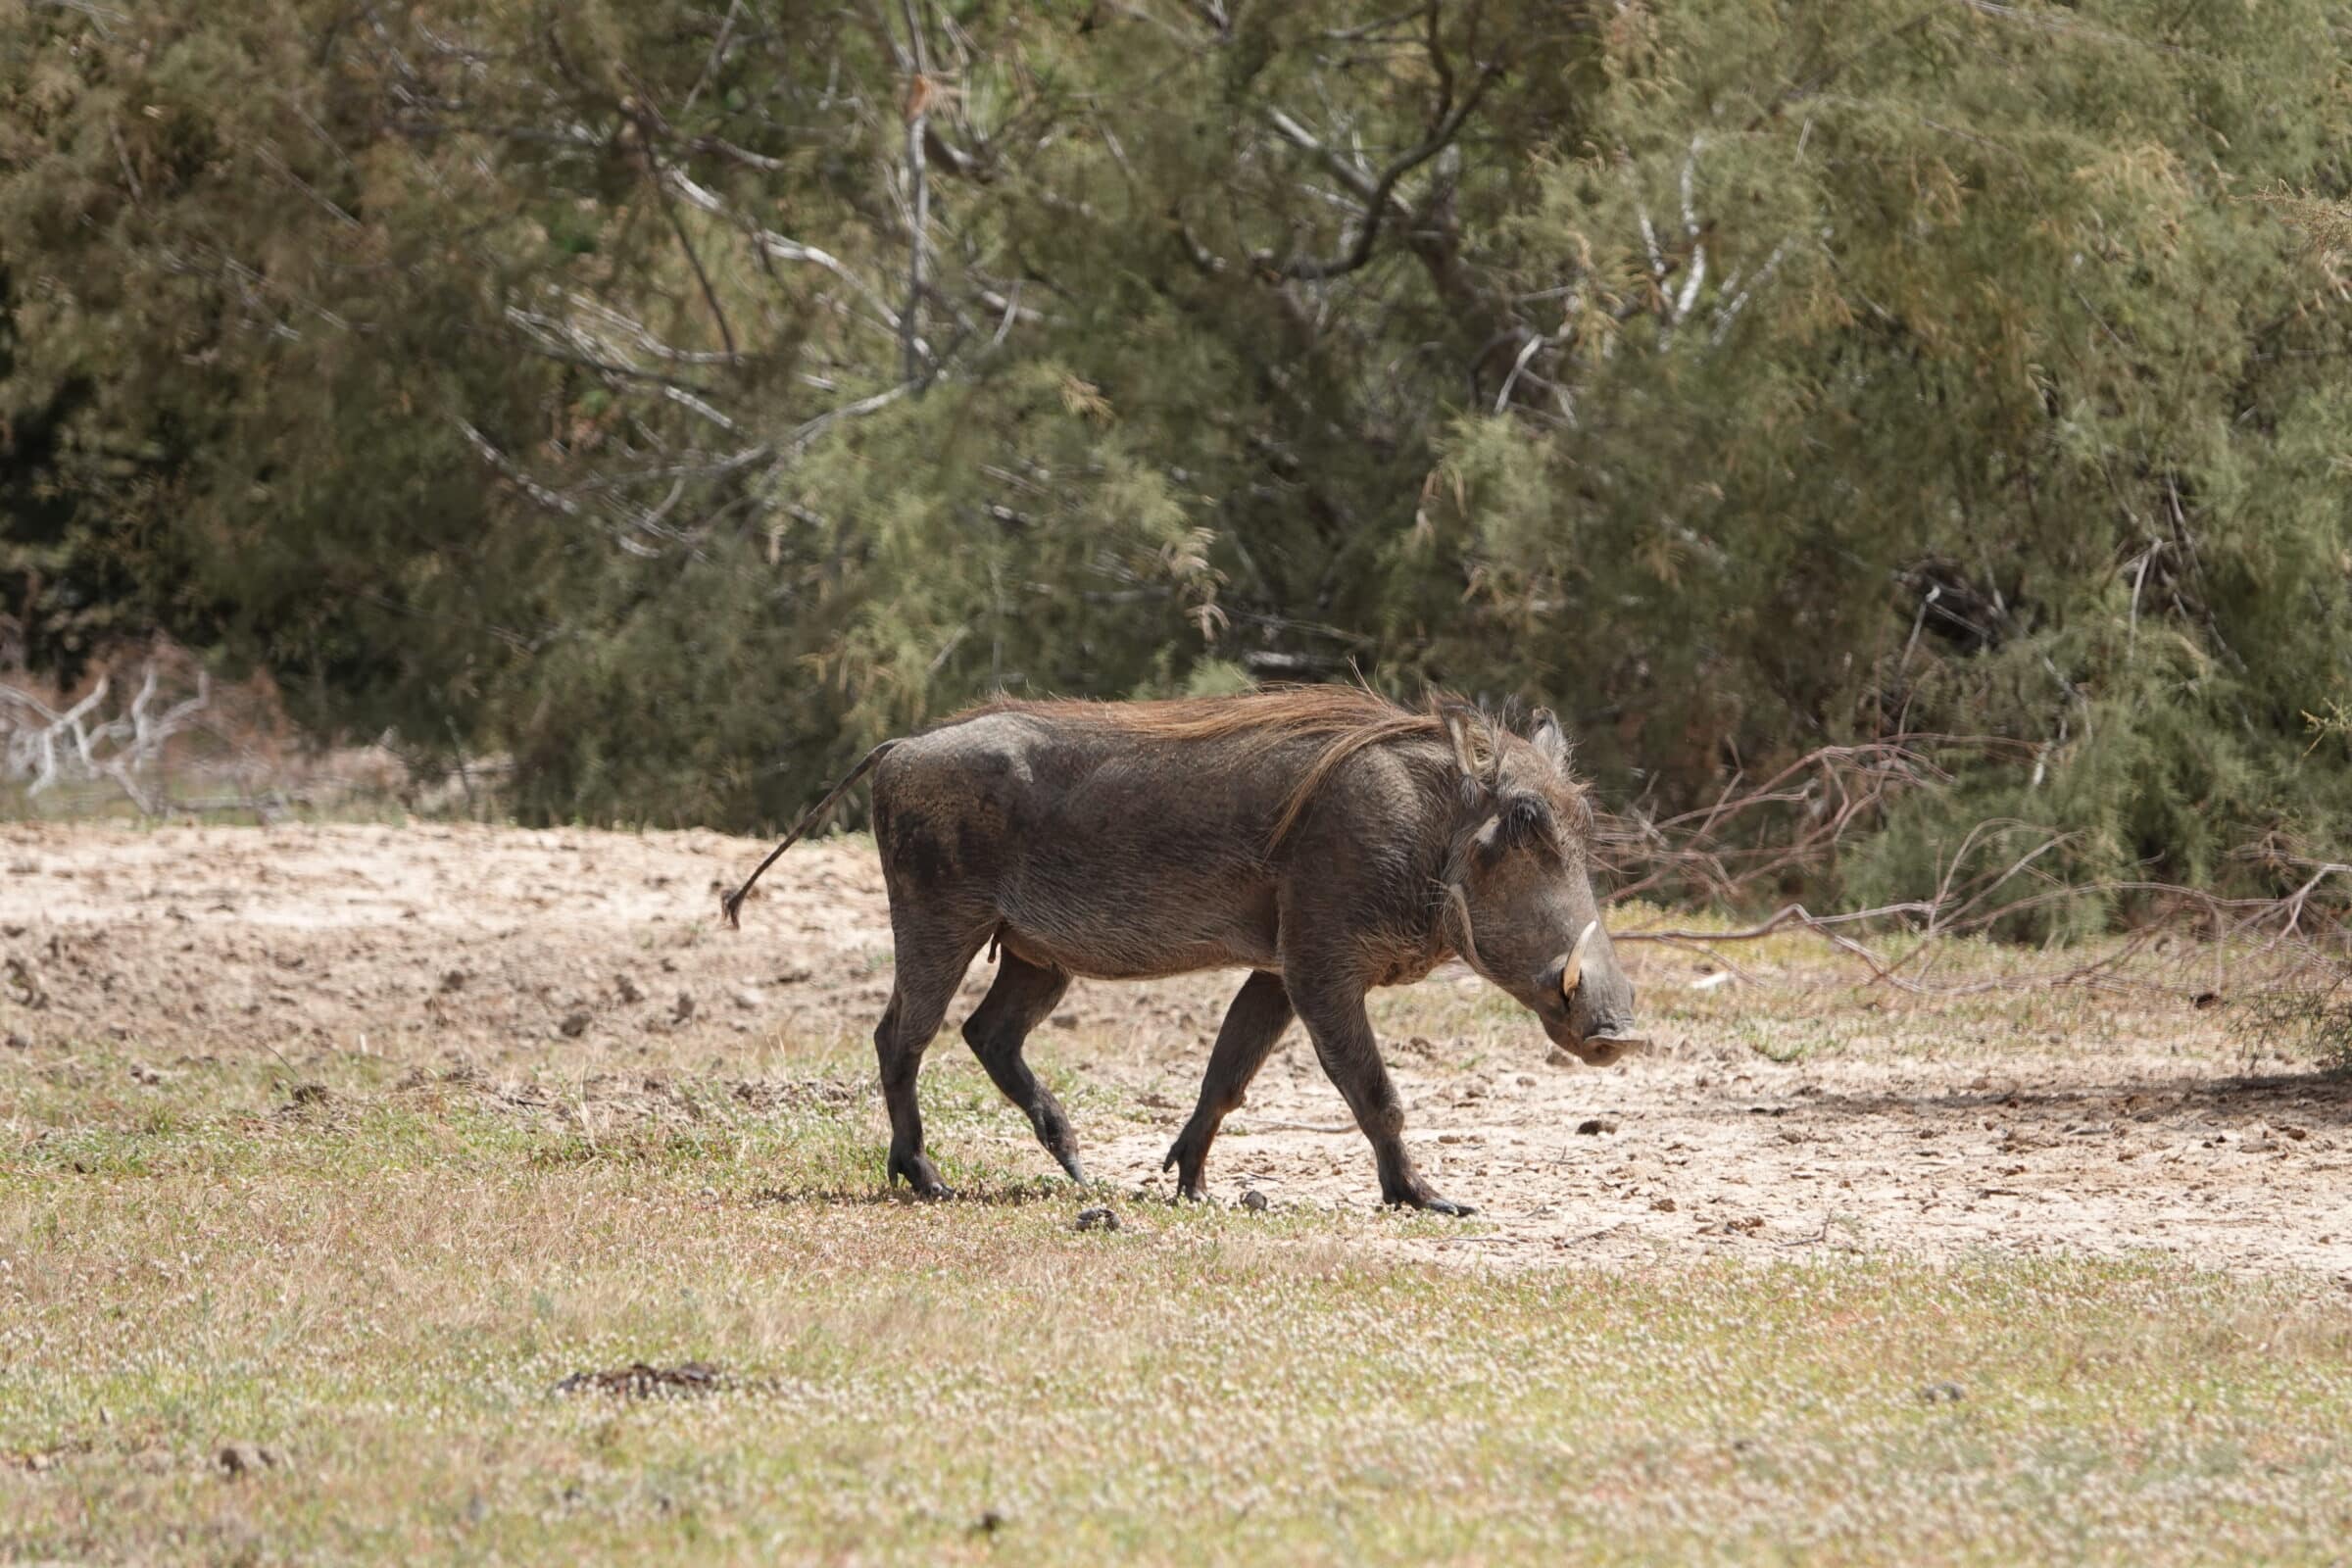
[(1423, 1198), (1190, 1161), (920, 1173)]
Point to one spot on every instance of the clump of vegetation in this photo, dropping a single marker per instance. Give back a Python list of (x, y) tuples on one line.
[(2309, 1021)]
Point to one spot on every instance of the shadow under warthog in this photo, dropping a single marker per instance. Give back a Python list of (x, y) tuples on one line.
[(998, 1194)]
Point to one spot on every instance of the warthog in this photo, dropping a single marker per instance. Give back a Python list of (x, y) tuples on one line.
[(1322, 838)]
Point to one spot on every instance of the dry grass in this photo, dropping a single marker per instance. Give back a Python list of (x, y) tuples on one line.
[(385, 1286)]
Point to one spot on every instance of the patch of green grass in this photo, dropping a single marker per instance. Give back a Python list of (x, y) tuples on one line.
[(385, 1285), (1788, 1041)]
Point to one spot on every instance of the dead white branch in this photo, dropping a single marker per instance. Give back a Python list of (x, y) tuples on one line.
[(1696, 277), (1728, 313), (42, 746), (777, 246)]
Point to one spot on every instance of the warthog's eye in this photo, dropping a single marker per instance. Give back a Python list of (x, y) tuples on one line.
[(1527, 821), (1522, 822)]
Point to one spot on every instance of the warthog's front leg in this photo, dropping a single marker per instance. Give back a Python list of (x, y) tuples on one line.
[(1021, 997), (1259, 1013), (1335, 1017)]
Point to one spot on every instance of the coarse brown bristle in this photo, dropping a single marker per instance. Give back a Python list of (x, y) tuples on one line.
[(1277, 710), (1352, 716)]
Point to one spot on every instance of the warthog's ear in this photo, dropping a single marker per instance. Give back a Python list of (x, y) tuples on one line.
[(1551, 744)]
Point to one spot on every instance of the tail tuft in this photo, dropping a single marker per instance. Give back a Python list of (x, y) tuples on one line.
[(731, 906)]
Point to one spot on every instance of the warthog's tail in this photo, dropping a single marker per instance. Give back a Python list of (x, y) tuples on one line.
[(732, 903)]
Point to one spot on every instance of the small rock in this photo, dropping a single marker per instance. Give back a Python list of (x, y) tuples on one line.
[(575, 1023), (1593, 1125), (990, 1522), (18, 1041), (683, 1008), (1560, 1057), (1096, 1219), (627, 989), (793, 974), (749, 998), (1664, 1205), (1941, 1394), (246, 1459), (454, 980), (2298, 1134), (1254, 1200), (310, 1093), (1065, 1019)]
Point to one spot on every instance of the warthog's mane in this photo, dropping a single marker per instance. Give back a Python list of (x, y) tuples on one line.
[(1351, 719)]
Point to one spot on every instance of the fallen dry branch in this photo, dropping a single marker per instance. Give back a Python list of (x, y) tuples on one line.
[(2002, 877), (1791, 824)]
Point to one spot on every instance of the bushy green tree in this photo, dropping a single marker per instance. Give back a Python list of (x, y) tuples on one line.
[(681, 396), (1926, 367)]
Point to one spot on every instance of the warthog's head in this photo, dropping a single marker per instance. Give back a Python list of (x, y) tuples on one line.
[(1520, 892)]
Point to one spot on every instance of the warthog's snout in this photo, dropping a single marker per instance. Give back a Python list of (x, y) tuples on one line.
[(1588, 1011)]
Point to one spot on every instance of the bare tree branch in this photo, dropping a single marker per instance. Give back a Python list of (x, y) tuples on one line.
[(1377, 198), (694, 260), (919, 94), (778, 246)]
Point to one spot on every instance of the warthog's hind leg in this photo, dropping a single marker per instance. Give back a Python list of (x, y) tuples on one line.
[(1018, 1002), (1335, 1018), (1259, 1013), (929, 970)]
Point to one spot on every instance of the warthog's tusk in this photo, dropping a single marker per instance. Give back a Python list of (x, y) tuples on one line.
[(1575, 971)]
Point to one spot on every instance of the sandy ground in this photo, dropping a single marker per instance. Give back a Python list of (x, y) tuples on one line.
[(1787, 1112)]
